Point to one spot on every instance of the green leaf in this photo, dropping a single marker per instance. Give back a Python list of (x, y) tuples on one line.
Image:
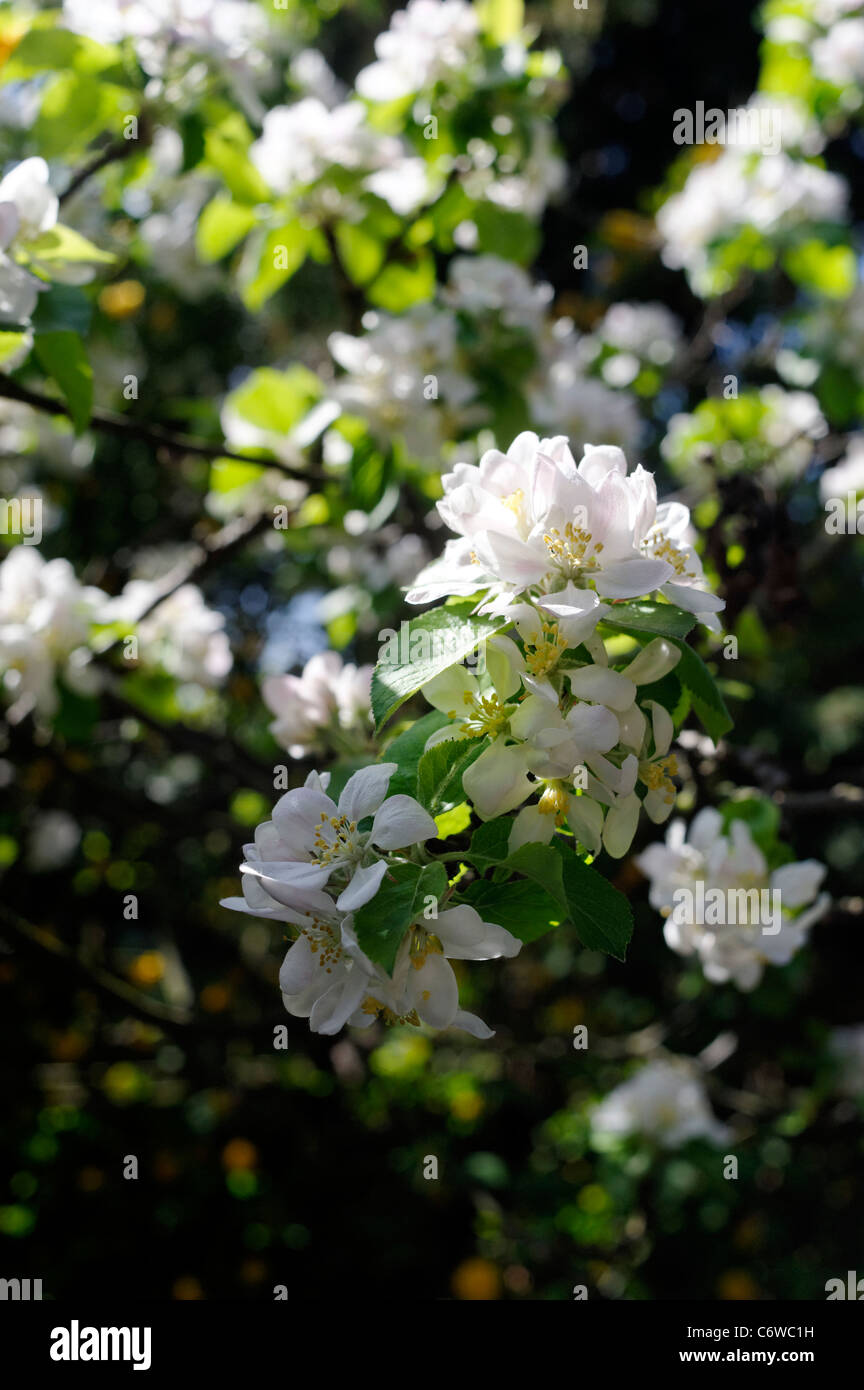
[(275, 401), (407, 749), (521, 907), (63, 309), (601, 915), (502, 20), (221, 226), (361, 254), (439, 774), (382, 923), (226, 150), (62, 356), (761, 815), (501, 232), (13, 346), (829, 270), (271, 262), (422, 648), (661, 619), (63, 246), (701, 687), (399, 287), (58, 50), (76, 107)]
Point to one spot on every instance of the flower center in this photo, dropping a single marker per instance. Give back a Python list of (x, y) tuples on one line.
[(663, 549), (337, 840), (423, 944), (486, 715), (657, 775), (324, 943), (554, 802), (545, 653), (569, 552)]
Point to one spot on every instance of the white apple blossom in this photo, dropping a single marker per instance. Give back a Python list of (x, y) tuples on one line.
[(729, 859), (328, 702), (312, 842), (839, 56), (180, 634), (532, 518), (847, 475), (774, 193), (46, 622), (489, 285), (395, 370), (423, 977), (429, 41), (665, 1101)]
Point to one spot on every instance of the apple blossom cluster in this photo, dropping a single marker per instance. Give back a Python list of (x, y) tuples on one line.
[(315, 865), (418, 376), (549, 546), (326, 706), (776, 194), (169, 35), (52, 626), (664, 1101), (724, 860), (34, 247)]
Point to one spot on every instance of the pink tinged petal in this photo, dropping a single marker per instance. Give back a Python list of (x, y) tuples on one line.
[(673, 519), (401, 821), (531, 827), (498, 781), (600, 459), (365, 790), (470, 1023), (511, 559), (605, 687), (363, 887), (620, 826), (433, 991), (299, 968), (632, 578)]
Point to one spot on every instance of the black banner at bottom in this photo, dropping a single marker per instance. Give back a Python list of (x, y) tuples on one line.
[(66, 1340)]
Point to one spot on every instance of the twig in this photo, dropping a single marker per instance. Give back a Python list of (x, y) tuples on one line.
[(102, 981), (108, 422)]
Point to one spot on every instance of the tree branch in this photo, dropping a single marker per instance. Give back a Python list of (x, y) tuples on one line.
[(109, 422)]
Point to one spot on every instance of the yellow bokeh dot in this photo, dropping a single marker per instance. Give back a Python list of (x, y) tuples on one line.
[(187, 1288), (147, 969), (122, 299), (466, 1105), (737, 1285), (476, 1279), (215, 998), (90, 1179), (239, 1154)]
